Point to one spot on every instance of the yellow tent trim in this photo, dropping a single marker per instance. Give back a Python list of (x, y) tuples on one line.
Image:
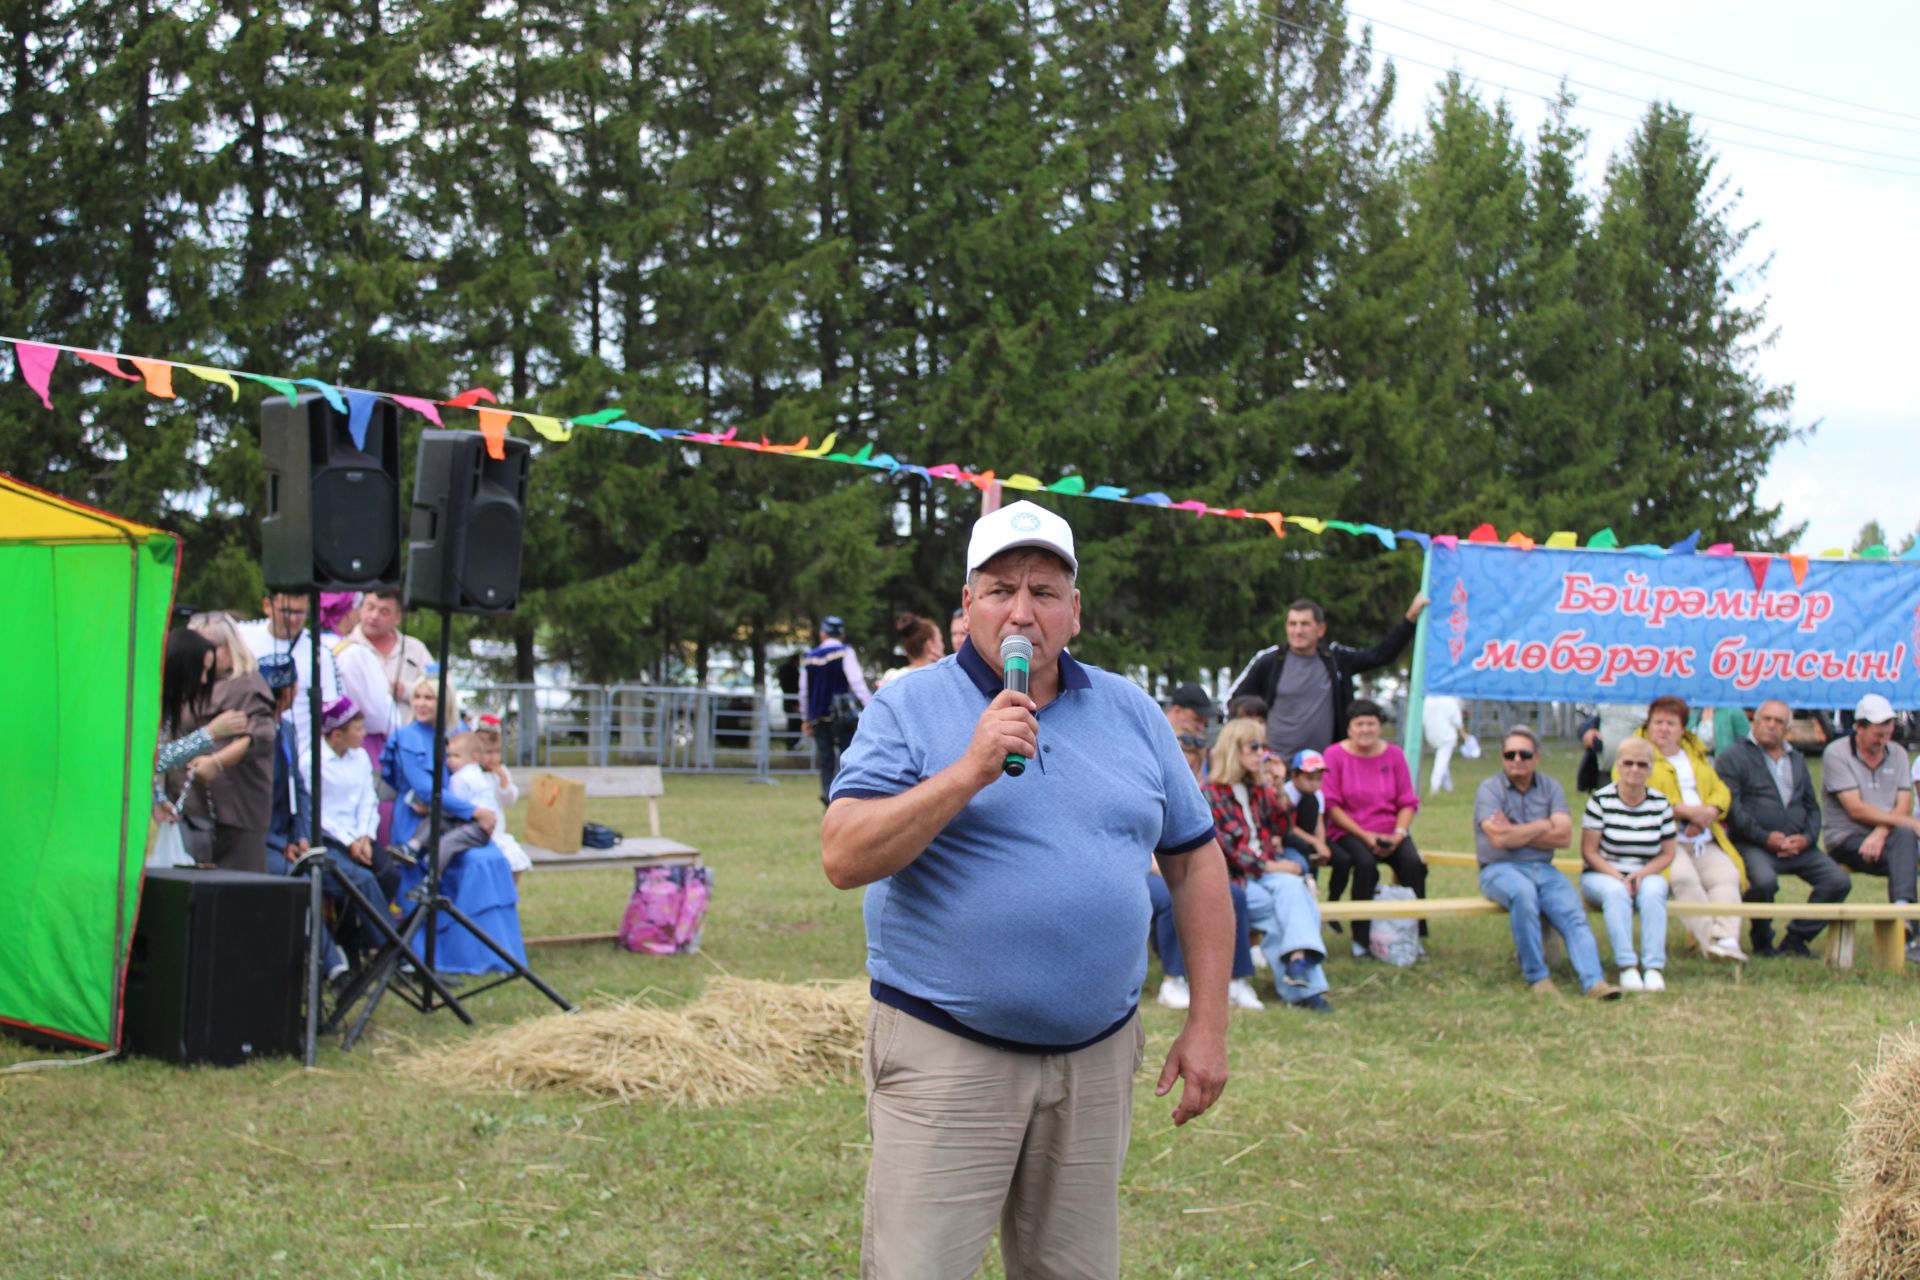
[(28, 514)]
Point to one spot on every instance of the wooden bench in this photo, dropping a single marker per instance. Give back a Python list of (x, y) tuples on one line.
[(1887, 918), (639, 782)]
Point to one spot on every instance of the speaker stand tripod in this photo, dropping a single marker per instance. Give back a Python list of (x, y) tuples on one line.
[(421, 988)]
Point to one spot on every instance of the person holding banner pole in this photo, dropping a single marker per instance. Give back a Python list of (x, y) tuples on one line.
[(1708, 868)]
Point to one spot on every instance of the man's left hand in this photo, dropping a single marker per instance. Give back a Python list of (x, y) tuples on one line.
[(1200, 1058), (361, 851)]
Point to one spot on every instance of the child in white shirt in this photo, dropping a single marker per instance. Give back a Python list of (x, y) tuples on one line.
[(471, 782)]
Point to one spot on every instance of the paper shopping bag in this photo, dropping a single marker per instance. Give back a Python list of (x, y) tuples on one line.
[(556, 810)]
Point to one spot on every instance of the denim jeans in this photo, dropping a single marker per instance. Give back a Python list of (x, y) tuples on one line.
[(1617, 909), (1529, 890), (1166, 939), (826, 756), (1282, 907)]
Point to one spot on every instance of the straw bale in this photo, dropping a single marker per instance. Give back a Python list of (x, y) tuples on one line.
[(740, 1039), (1880, 1163)]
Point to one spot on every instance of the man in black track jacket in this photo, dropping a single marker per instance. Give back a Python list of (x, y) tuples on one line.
[(1308, 684)]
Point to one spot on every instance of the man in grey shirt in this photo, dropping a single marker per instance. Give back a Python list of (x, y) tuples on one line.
[(1867, 804), (1308, 684), (1519, 818)]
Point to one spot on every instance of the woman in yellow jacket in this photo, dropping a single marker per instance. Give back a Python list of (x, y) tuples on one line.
[(1707, 868)]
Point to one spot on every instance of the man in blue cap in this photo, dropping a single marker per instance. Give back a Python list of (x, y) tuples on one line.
[(833, 692)]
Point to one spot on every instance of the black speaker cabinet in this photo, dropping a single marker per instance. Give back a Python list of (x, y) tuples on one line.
[(333, 511), (217, 967), (463, 551)]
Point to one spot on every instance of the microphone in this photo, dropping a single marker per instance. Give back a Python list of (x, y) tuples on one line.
[(1016, 655)]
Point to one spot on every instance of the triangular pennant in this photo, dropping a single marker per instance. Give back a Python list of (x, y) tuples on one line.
[(1686, 546), (1484, 533), (359, 413), (1447, 540), (1275, 521), (158, 375), (1603, 541), (1414, 535), (1386, 536), (907, 468), (101, 360), (549, 428), (945, 471), (1343, 526), (1068, 484), (604, 418), (1912, 553), (279, 385), (629, 425), (476, 395), (1312, 524), (1520, 540), (1154, 499), (1194, 505), (1564, 540), (825, 448), (1023, 481), (981, 480), (1798, 563), (36, 366), (1878, 551), (1757, 565), (219, 377), (1111, 493), (327, 391), (1833, 553), (863, 454), (425, 408), (1719, 549), (493, 427)]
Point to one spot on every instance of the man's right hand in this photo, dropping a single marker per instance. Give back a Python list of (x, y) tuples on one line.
[(361, 851), (1871, 847), (1006, 727)]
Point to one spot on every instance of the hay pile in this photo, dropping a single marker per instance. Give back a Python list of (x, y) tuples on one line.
[(1880, 1165), (738, 1040)]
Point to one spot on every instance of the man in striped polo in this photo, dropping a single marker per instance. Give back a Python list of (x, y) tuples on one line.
[(1520, 817)]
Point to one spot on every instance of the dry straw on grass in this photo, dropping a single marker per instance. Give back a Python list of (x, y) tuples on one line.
[(740, 1039), (1880, 1163)]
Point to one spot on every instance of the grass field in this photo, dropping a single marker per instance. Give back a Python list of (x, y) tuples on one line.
[(1443, 1123)]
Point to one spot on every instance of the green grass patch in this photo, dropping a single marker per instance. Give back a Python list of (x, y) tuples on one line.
[(1443, 1123)]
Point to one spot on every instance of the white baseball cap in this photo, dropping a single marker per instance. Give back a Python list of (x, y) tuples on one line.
[(1021, 524), (1873, 709)]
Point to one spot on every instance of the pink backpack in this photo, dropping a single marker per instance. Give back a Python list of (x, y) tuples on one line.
[(668, 907)]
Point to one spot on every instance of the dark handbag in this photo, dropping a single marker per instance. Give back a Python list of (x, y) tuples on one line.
[(595, 836), (845, 719)]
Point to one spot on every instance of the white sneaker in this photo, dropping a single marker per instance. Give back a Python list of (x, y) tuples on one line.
[(1260, 959), (1653, 981), (1726, 949), (1173, 993), (1241, 995), (1630, 980)]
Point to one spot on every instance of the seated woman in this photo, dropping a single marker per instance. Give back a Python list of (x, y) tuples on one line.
[(1370, 802), (478, 881), (1166, 941), (1707, 867), (1250, 820), (1627, 843)]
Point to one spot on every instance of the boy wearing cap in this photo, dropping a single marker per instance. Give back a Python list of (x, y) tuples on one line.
[(1866, 804), (828, 673), (349, 811), (1004, 920)]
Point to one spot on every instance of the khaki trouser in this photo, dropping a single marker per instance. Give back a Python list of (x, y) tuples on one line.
[(965, 1135), (1711, 877)]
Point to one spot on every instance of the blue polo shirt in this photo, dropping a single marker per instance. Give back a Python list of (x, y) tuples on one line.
[(1024, 921)]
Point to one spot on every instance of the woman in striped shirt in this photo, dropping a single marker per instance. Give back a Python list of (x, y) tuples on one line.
[(1627, 841)]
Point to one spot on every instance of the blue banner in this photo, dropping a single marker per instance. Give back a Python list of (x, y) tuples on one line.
[(1618, 626)]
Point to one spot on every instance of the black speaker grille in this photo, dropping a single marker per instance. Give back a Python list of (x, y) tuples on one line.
[(355, 539), (492, 577)]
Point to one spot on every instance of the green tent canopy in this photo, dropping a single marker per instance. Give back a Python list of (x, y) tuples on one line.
[(87, 597)]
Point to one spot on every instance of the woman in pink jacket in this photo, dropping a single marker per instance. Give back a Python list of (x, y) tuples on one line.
[(1370, 803)]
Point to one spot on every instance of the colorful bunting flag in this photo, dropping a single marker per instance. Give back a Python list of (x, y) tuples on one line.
[(328, 392), (1799, 565), (1564, 540), (1757, 564), (1485, 533), (36, 366), (111, 364), (468, 399), (549, 428), (425, 408), (1603, 541), (493, 428), (219, 377), (158, 375)]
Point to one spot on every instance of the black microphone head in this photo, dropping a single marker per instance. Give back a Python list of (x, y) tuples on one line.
[(1016, 647)]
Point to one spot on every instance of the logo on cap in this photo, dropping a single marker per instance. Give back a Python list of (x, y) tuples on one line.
[(1025, 522)]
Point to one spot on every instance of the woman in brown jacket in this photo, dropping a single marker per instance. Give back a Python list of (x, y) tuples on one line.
[(229, 810)]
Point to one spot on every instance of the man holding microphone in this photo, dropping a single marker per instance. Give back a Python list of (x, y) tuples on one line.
[(1005, 914)]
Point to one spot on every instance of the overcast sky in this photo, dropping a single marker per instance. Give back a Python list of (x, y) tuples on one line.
[(1844, 240)]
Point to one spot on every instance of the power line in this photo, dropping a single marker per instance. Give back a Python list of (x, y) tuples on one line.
[(1601, 111), (1627, 66), (1707, 66), (1632, 97)]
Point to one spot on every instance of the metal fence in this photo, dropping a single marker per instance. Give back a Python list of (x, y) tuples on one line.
[(679, 729)]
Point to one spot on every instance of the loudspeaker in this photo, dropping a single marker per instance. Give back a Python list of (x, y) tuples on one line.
[(216, 970), (333, 509), (463, 550)]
